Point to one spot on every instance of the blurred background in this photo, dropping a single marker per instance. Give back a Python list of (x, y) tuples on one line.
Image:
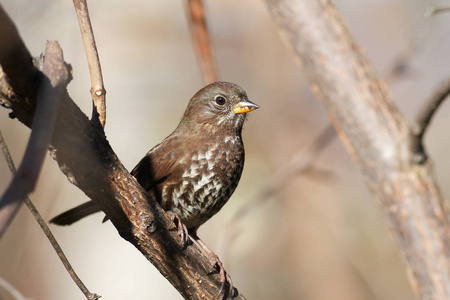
[(322, 237)]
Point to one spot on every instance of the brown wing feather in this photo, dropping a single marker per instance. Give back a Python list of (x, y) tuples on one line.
[(158, 164)]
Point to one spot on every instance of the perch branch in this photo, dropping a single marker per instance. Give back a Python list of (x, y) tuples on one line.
[(102, 177), (46, 230), (98, 91), (202, 43), (376, 136), (48, 97), (423, 120)]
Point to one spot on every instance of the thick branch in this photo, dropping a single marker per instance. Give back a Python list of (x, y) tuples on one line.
[(375, 134), (103, 178)]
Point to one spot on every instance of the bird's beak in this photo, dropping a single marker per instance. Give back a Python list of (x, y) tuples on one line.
[(244, 107)]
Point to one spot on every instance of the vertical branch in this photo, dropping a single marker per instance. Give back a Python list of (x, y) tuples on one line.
[(202, 43), (98, 91)]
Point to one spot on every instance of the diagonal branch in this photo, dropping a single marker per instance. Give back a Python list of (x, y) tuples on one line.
[(423, 120), (48, 97), (202, 43), (376, 136), (98, 91)]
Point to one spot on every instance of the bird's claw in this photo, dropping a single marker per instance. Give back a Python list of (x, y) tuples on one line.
[(225, 278), (180, 228)]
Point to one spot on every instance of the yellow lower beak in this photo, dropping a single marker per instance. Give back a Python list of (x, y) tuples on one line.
[(244, 107)]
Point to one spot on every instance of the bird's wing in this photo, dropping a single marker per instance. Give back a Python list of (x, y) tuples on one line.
[(158, 164)]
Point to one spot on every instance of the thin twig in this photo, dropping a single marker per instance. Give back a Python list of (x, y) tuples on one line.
[(202, 44), (431, 11), (423, 120), (7, 154), (48, 96), (45, 228), (98, 91), (61, 255), (299, 164)]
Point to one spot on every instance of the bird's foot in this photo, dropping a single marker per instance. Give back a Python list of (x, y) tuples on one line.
[(179, 227), (225, 278)]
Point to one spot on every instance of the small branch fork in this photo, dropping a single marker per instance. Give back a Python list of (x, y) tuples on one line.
[(98, 91), (198, 28), (423, 120)]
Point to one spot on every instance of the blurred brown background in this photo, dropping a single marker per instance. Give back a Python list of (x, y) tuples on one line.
[(322, 237)]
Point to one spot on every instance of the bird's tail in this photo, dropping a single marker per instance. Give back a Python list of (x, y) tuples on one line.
[(76, 213)]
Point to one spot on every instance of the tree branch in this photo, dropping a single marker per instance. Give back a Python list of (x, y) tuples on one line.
[(375, 134), (103, 178), (98, 91), (198, 28)]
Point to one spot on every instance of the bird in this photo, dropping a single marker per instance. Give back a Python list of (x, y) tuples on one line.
[(194, 171)]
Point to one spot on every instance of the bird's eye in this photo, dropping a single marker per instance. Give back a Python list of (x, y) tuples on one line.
[(220, 100)]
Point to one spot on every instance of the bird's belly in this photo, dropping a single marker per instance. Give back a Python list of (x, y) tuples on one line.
[(204, 190), (205, 199)]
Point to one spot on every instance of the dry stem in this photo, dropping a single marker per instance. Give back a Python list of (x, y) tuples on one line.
[(98, 91)]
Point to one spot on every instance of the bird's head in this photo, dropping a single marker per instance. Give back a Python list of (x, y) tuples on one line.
[(220, 105)]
